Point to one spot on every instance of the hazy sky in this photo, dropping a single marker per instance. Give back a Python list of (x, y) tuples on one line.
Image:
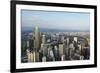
[(56, 20)]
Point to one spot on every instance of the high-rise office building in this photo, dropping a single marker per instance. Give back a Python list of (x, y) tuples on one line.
[(88, 41), (29, 56), (48, 50), (75, 39), (35, 56), (44, 49), (44, 45), (80, 48), (36, 44), (51, 57), (56, 52), (61, 49), (27, 43), (67, 42), (37, 37), (43, 39), (71, 50)]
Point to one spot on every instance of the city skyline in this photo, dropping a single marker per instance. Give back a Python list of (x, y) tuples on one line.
[(58, 21), (43, 47), (54, 36)]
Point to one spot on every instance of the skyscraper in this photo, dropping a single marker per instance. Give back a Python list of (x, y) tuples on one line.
[(61, 49), (43, 39), (36, 44), (75, 39), (37, 37)]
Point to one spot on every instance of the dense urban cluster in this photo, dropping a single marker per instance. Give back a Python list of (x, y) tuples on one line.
[(40, 46)]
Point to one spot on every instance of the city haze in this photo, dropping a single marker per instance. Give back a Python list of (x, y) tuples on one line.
[(56, 21)]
